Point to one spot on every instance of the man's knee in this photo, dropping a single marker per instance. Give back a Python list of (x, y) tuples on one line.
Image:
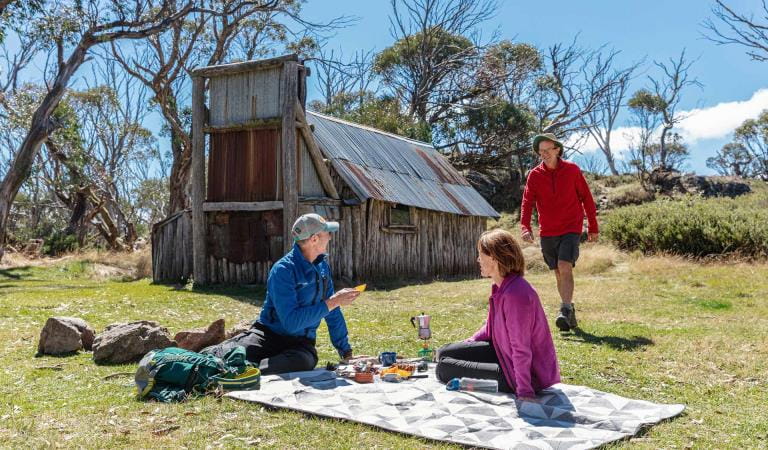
[(304, 360), (293, 360), (564, 268)]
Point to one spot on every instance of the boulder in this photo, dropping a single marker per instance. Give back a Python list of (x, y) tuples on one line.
[(62, 335), (670, 182), (503, 189), (200, 338), (128, 342)]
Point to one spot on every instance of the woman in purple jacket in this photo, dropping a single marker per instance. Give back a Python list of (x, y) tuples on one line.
[(514, 346)]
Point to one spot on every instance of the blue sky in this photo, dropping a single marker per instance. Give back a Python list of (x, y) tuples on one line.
[(651, 29), (734, 87)]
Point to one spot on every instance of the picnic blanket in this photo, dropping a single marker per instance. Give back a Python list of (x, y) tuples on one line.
[(568, 417)]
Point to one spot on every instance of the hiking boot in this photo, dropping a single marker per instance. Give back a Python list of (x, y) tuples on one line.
[(566, 320)]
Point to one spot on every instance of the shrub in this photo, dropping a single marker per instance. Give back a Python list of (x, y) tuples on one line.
[(693, 226), (59, 242), (508, 221)]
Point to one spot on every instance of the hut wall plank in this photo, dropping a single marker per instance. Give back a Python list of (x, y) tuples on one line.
[(310, 181), (172, 248), (289, 148), (241, 98), (442, 246), (198, 181)]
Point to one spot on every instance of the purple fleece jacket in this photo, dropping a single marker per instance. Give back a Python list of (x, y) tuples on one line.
[(518, 329)]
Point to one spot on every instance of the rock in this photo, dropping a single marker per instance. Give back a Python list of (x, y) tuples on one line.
[(239, 328), (200, 338), (64, 335), (502, 189), (128, 342), (675, 182)]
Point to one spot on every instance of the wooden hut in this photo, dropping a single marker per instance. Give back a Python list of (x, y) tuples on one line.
[(404, 211)]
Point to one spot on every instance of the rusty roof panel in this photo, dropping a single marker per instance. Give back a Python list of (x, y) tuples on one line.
[(387, 167)]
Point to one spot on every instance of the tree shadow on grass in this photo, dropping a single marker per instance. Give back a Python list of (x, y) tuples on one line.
[(614, 342), (247, 293), (16, 273), (397, 283)]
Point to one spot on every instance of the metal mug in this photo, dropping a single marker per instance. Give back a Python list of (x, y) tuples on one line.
[(387, 358)]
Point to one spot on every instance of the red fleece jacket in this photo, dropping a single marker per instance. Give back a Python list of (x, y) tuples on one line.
[(561, 196)]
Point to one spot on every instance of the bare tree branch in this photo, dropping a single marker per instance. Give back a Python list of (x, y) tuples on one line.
[(739, 28)]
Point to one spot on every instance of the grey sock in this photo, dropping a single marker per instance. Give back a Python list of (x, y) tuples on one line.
[(566, 305)]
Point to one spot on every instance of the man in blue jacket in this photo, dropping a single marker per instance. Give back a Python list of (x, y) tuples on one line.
[(300, 294)]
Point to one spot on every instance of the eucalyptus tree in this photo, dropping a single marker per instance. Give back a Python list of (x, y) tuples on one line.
[(601, 120), (747, 155), (657, 107), (69, 31), (431, 66)]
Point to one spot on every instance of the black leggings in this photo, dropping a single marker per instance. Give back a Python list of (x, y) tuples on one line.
[(476, 359), (274, 353)]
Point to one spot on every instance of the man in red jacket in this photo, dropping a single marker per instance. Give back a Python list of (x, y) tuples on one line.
[(562, 196)]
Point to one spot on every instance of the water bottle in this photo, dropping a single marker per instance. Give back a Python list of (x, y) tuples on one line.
[(472, 384)]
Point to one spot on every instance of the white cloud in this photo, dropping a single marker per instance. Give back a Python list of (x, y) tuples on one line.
[(716, 122), (720, 120)]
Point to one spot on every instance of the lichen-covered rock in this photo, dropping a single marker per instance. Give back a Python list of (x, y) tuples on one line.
[(129, 342), (62, 335)]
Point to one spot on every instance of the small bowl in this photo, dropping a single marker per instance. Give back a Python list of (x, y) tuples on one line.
[(364, 377)]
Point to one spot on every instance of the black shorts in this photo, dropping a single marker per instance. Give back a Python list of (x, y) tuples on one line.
[(560, 248)]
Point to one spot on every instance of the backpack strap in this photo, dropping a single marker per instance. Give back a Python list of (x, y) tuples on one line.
[(189, 385)]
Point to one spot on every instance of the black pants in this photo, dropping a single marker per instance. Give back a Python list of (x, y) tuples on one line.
[(470, 359), (274, 353)]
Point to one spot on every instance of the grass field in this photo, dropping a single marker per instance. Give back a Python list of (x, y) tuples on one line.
[(655, 328)]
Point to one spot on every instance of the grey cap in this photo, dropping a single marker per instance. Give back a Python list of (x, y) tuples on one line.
[(309, 224)]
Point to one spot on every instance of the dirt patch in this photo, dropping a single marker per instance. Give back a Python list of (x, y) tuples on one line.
[(99, 271)]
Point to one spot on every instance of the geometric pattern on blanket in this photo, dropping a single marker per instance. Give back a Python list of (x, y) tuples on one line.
[(568, 417)]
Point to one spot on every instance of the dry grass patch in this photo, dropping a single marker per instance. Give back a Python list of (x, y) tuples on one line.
[(593, 259), (629, 194), (97, 264), (598, 258)]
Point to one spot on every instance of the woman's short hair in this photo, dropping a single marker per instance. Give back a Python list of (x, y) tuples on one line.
[(503, 248)]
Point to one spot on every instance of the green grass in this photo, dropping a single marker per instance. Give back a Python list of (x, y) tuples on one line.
[(659, 329)]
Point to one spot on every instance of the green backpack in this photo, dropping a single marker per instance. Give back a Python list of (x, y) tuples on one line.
[(172, 374)]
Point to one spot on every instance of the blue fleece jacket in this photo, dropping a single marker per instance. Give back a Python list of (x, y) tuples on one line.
[(295, 302)]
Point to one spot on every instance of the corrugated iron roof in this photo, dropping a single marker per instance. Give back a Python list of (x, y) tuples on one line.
[(392, 168)]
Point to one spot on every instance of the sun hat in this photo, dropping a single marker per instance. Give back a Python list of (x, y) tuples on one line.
[(546, 137)]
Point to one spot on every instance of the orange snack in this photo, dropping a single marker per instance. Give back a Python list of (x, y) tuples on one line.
[(360, 288), (396, 370)]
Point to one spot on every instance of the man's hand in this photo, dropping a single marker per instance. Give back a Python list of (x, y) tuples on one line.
[(343, 297), (527, 236), (592, 237)]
